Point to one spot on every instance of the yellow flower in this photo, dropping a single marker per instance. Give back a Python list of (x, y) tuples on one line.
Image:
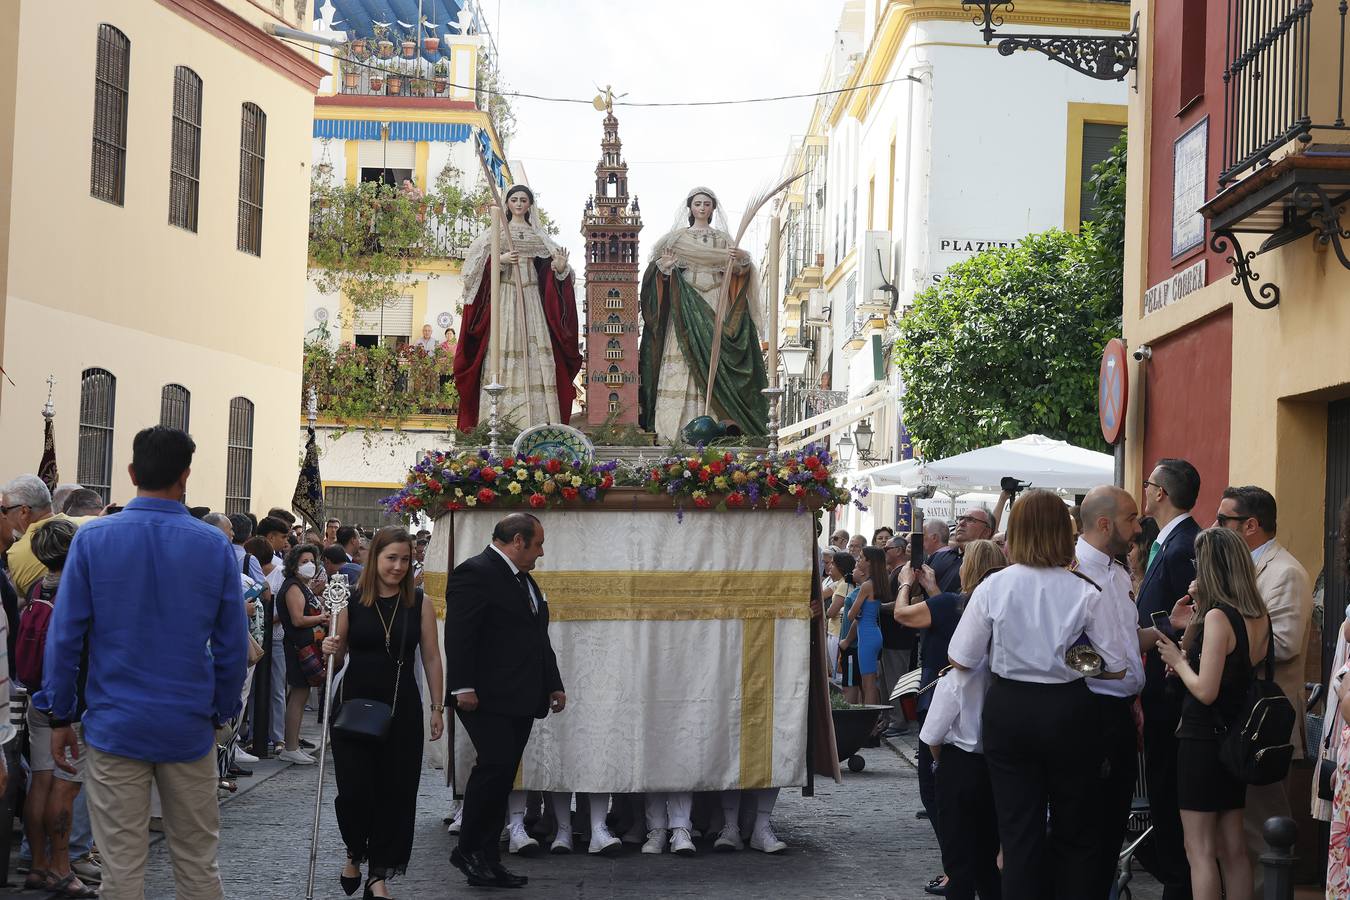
[(459, 492), (471, 501), (538, 474), (720, 483), (738, 477), (699, 495), (521, 473), (783, 473), (549, 487), (514, 487), (576, 481)]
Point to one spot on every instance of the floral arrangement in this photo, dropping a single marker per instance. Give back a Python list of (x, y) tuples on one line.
[(443, 482), (725, 480)]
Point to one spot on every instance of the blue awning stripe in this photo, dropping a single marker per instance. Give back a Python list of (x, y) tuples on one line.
[(347, 129), (448, 132)]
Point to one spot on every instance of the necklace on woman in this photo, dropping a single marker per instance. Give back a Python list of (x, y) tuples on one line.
[(389, 625), (703, 232)]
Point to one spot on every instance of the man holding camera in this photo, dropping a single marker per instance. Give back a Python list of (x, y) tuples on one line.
[(974, 524)]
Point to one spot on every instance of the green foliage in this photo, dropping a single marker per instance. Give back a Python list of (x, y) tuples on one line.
[(498, 105), (610, 433), (1007, 344), (374, 388)]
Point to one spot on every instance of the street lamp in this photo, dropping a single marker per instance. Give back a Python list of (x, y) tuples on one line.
[(862, 433), (795, 358), (845, 449)]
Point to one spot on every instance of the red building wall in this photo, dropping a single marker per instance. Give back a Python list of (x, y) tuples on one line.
[(1187, 396)]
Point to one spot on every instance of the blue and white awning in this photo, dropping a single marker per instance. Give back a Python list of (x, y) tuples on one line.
[(351, 130), (347, 129)]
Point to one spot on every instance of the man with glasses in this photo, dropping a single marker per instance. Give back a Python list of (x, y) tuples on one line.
[(26, 502), (1287, 592), (974, 524), (1169, 495)]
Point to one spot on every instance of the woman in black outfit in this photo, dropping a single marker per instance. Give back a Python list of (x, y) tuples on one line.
[(299, 613), (386, 624), (1228, 633)]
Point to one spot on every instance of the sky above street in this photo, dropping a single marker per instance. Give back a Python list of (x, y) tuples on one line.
[(694, 50)]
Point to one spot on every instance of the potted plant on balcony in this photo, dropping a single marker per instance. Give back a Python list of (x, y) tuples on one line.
[(377, 79), (409, 48), (358, 48), (394, 82), (351, 75), (431, 43), (442, 72)]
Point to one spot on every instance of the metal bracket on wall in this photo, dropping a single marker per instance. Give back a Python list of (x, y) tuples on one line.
[(1324, 215), (1243, 275), (1108, 58)]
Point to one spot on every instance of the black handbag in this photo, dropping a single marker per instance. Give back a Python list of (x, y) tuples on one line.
[(369, 720)]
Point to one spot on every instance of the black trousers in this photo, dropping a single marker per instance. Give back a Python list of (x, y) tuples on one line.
[(1119, 770), (1040, 743), (499, 742), (1163, 855), (928, 783), (965, 802)]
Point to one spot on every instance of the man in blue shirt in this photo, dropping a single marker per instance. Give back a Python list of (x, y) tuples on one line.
[(157, 596)]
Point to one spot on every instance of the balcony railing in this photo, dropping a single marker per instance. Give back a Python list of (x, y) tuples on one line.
[(444, 236), (1280, 77), (360, 385)]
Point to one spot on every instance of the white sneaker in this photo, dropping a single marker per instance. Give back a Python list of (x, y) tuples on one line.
[(656, 841), (455, 821), (681, 843), (562, 844), (521, 843), (243, 756), (603, 843), (765, 841), (298, 757), (729, 840)]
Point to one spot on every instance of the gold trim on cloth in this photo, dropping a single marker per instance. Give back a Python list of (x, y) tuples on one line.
[(433, 589), (757, 689), (675, 596)]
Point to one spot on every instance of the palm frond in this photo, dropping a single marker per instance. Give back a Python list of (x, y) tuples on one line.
[(756, 203)]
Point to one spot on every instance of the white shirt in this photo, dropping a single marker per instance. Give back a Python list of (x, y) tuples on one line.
[(1260, 551), (1023, 619), (953, 716), (1119, 616), (1170, 527), (274, 581)]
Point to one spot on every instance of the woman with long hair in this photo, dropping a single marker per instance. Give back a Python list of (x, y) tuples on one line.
[(1333, 763), (849, 679), (1228, 634), (872, 592), (839, 587), (387, 626), (936, 618), (299, 613), (1040, 741)]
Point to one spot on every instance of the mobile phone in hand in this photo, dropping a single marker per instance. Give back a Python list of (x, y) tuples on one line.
[(916, 559), (1163, 622)]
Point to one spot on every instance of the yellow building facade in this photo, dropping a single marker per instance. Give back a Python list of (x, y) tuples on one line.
[(157, 271)]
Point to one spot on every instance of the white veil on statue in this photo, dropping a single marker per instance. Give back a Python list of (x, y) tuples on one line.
[(475, 259)]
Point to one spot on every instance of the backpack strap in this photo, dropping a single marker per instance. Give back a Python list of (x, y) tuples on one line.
[(1270, 649)]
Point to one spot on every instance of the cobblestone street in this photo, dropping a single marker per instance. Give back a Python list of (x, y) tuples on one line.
[(859, 839)]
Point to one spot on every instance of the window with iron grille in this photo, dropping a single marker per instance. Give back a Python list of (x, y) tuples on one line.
[(239, 457), (98, 394), (252, 146), (173, 406), (112, 69), (185, 148)]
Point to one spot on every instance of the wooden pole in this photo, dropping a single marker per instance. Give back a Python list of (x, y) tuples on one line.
[(771, 276), (495, 291)]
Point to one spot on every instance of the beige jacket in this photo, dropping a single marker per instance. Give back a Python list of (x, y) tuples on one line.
[(1287, 590)]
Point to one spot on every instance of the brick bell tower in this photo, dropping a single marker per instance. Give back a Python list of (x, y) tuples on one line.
[(610, 225)]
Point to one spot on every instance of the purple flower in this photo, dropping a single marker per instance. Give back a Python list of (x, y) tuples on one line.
[(588, 493)]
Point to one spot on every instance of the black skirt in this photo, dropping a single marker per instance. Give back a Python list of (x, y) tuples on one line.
[(1203, 784)]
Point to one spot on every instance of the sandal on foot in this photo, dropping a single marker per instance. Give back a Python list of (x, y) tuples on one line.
[(71, 886), (350, 883), (38, 880)]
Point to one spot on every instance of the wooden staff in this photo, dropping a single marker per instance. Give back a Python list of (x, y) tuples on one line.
[(775, 227), (495, 299)]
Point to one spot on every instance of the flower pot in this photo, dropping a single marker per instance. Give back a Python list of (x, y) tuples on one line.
[(440, 86), (359, 47), (410, 49), (351, 79), (852, 728), (431, 44), (394, 83), (376, 83), (386, 49)]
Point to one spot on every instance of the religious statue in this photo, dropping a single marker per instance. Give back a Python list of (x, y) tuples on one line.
[(680, 293), (540, 355)]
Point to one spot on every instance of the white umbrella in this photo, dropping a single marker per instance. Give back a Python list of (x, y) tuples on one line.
[(1034, 459)]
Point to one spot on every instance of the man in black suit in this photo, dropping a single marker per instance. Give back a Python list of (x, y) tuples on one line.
[(1169, 494), (501, 676)]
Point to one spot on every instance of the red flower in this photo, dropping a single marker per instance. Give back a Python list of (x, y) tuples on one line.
[(454, 504), (569, 493), (414, 503), (822, 474), (702, 502), (704, 475), (773, 500), (532, 460), (434, 486), (607, 482), (735, 498), (486, 496), (488, 473), (537, 500), (811, 462), (554, 466), (772, 481), (508, 462), (691, 463), (727, 457), (656, 475), (716, 467)]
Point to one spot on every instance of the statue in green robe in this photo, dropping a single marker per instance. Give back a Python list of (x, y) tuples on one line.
[(680, 290)]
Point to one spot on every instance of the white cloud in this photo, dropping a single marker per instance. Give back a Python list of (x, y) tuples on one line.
[(696, 50)]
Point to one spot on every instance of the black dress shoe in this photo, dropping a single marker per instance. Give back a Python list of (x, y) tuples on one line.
[(506, 878), (476, 870), (306, 745)]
